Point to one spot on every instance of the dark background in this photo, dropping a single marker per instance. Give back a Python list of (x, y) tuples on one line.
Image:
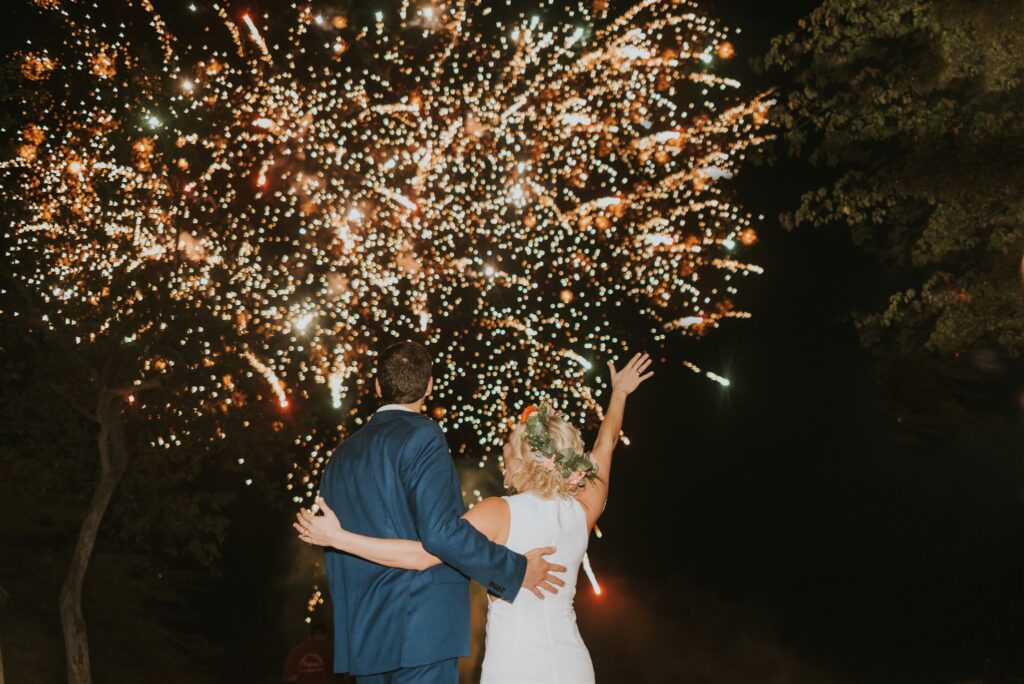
[(781, 529)]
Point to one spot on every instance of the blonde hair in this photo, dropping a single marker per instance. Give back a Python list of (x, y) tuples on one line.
[(532, 475)]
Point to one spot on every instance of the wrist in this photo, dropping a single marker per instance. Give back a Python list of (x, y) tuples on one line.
[(618, 391), (339, 540)]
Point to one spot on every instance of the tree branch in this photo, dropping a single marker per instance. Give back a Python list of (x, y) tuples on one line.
[(115, 392), (71, 402)]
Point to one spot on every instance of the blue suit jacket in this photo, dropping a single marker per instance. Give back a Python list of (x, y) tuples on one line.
[(395, 478)]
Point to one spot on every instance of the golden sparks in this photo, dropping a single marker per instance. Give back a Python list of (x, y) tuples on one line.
[(503, 187)]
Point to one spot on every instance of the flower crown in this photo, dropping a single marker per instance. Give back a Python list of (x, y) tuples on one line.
[(575, 467)]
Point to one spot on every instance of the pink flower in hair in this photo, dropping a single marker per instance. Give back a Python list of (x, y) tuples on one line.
[(547, 463), (576, 478)]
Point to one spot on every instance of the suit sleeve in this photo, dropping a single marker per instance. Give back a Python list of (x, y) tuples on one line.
[(435, 499)]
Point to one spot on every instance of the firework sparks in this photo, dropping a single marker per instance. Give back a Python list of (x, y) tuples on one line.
[(589, 571), (271, 377), (495, 186)]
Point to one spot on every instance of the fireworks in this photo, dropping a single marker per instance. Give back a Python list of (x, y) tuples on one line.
[(512, 190), (589, 571)]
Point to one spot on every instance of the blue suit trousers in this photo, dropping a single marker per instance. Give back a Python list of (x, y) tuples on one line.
[(443, 672)]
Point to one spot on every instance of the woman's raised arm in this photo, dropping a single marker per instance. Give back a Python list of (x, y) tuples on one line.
[(594, 495)]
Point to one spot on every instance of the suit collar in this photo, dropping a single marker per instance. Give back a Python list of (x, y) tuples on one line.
[(388, 416), (395, 407)]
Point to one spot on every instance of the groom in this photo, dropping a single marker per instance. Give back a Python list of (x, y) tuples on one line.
[(395, 478)]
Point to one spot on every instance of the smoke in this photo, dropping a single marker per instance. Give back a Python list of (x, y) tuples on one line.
[(670, 632), (303, 576)]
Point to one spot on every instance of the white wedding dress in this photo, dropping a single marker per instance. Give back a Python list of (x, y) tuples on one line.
[(530, 641)]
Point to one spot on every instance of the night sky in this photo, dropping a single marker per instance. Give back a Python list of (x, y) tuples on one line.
[(781, 529)]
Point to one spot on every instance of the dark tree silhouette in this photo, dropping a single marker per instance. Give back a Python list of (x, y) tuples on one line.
[(911, 110)]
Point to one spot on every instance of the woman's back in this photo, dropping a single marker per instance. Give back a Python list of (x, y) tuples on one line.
[(531, 640)]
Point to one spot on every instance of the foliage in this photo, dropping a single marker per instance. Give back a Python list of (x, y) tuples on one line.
[(163, 531), (912, 111)]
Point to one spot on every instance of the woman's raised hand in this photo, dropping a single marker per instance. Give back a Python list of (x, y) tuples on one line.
[(632, 374), (320, 530)]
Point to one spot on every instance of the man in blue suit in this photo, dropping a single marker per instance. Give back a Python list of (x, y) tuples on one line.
[(395, 478)]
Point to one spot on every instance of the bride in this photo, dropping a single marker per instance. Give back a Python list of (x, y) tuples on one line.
[(560, 494)]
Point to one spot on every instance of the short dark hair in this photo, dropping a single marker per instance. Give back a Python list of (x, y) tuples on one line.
[(318, 628), (403, 370)]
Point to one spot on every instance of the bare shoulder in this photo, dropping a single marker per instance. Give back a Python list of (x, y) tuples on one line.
[(491, 516), (491, 507)]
